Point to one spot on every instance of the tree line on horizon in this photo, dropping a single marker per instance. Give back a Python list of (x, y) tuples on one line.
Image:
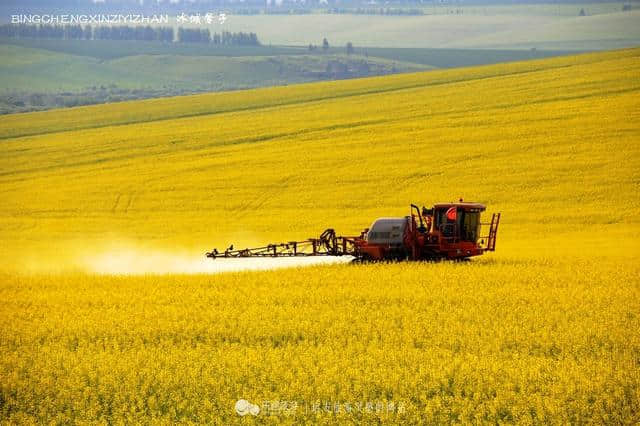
[(126, 32)]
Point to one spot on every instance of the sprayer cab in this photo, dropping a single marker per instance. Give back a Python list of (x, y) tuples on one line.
[(456, 230)]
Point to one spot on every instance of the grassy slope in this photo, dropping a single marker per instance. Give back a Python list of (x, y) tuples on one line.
[(70, 65), (112, 49), (32, 70), (544, 330), (607, 30), (41, 70), (452, 58)]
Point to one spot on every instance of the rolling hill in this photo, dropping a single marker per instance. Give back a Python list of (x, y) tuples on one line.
[(39, 74), (45, 78), (32, 69), (233, 159)]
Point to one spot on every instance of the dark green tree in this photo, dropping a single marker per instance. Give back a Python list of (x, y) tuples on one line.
[(350, 48)]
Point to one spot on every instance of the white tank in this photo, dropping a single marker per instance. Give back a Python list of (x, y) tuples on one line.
[(387, 230)]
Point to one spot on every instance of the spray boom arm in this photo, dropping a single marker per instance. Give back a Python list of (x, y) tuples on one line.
[(327, 244)]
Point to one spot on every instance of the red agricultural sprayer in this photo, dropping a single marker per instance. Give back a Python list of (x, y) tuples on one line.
[(445, 231)]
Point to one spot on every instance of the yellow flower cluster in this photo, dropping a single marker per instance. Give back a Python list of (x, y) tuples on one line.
[(535, 341)]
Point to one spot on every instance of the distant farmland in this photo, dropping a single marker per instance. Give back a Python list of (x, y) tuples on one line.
[(42, 74), (45, 73), (518, 27)]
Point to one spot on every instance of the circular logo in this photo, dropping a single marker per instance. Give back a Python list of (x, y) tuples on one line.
[(254, 409), (244, 407)]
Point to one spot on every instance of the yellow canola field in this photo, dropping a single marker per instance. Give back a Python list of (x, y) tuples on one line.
[(543, 330), (495, 341)]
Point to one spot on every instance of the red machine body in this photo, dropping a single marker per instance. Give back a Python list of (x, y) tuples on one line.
[(448, 230), (445, 231)]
